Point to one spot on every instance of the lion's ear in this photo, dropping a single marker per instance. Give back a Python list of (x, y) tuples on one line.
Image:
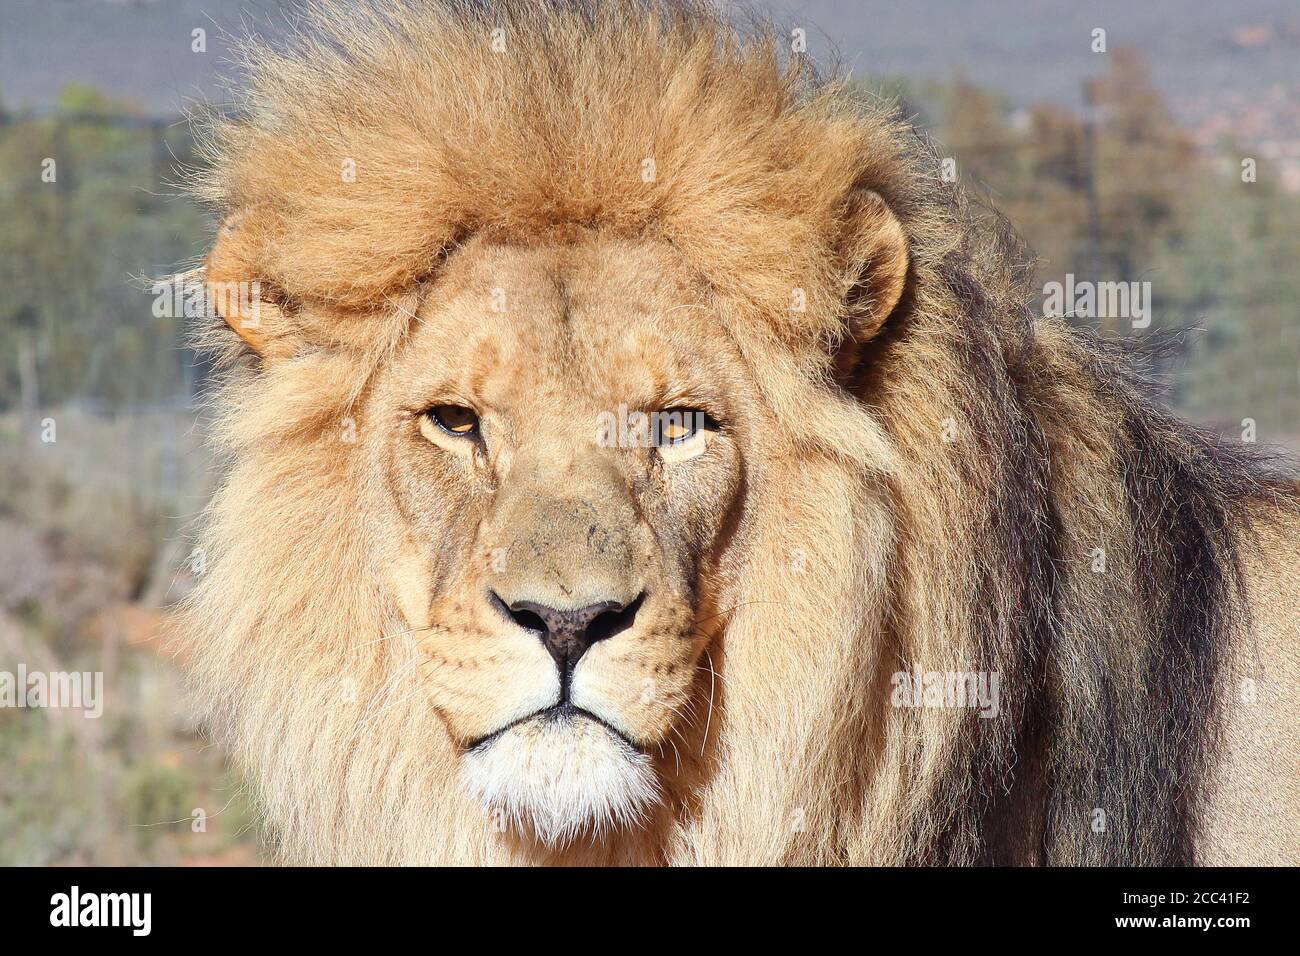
[(254, 308), (874, 255)]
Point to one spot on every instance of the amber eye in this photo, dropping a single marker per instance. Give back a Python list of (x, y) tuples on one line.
[(676, 425), (455, 420)]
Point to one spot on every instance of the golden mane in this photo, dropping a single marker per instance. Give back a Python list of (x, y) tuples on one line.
[(999, 453)]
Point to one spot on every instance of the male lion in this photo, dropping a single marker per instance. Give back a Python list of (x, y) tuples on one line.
[(640, 454)]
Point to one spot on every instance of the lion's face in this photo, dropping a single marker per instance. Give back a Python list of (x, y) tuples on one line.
[(560, 443)]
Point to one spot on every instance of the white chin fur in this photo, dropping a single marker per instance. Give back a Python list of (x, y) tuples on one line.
[(560, 778)]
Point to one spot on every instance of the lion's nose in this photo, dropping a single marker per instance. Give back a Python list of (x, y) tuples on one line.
[(568, 634)]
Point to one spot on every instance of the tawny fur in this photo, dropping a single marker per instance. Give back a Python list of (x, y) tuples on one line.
[(944, 483)]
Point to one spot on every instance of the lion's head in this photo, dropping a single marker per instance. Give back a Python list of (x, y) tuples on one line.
[(618, 409)]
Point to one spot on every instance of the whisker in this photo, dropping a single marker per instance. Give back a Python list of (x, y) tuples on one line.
[(734, 607), (709, 720), (389, 637)]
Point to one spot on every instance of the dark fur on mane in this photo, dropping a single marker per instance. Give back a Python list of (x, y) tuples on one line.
[(1137, 746)]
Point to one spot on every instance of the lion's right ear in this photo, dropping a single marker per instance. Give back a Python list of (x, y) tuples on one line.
[(253, 307), (875, 262)]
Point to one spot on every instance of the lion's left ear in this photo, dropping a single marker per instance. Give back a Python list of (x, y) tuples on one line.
[(250, 305), (873, 250)]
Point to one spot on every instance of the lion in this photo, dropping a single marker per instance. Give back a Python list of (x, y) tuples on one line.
[(636, 452)]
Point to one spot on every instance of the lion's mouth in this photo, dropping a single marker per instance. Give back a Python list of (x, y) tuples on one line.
[(556, 713)]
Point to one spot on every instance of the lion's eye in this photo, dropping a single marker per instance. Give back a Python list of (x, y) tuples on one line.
[(455, 420), (673, 426)]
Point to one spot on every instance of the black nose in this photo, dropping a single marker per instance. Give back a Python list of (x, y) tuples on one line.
[(568, 634)]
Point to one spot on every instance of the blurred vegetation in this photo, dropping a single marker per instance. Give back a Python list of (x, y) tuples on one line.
[(1117, 193), (91, 524), (86, 202)]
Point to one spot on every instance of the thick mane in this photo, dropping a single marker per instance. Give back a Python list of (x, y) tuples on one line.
[(1013, 448)]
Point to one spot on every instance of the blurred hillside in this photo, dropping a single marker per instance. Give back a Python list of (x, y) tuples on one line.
[(1034, 50), (1113, 186), (85, 523)]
